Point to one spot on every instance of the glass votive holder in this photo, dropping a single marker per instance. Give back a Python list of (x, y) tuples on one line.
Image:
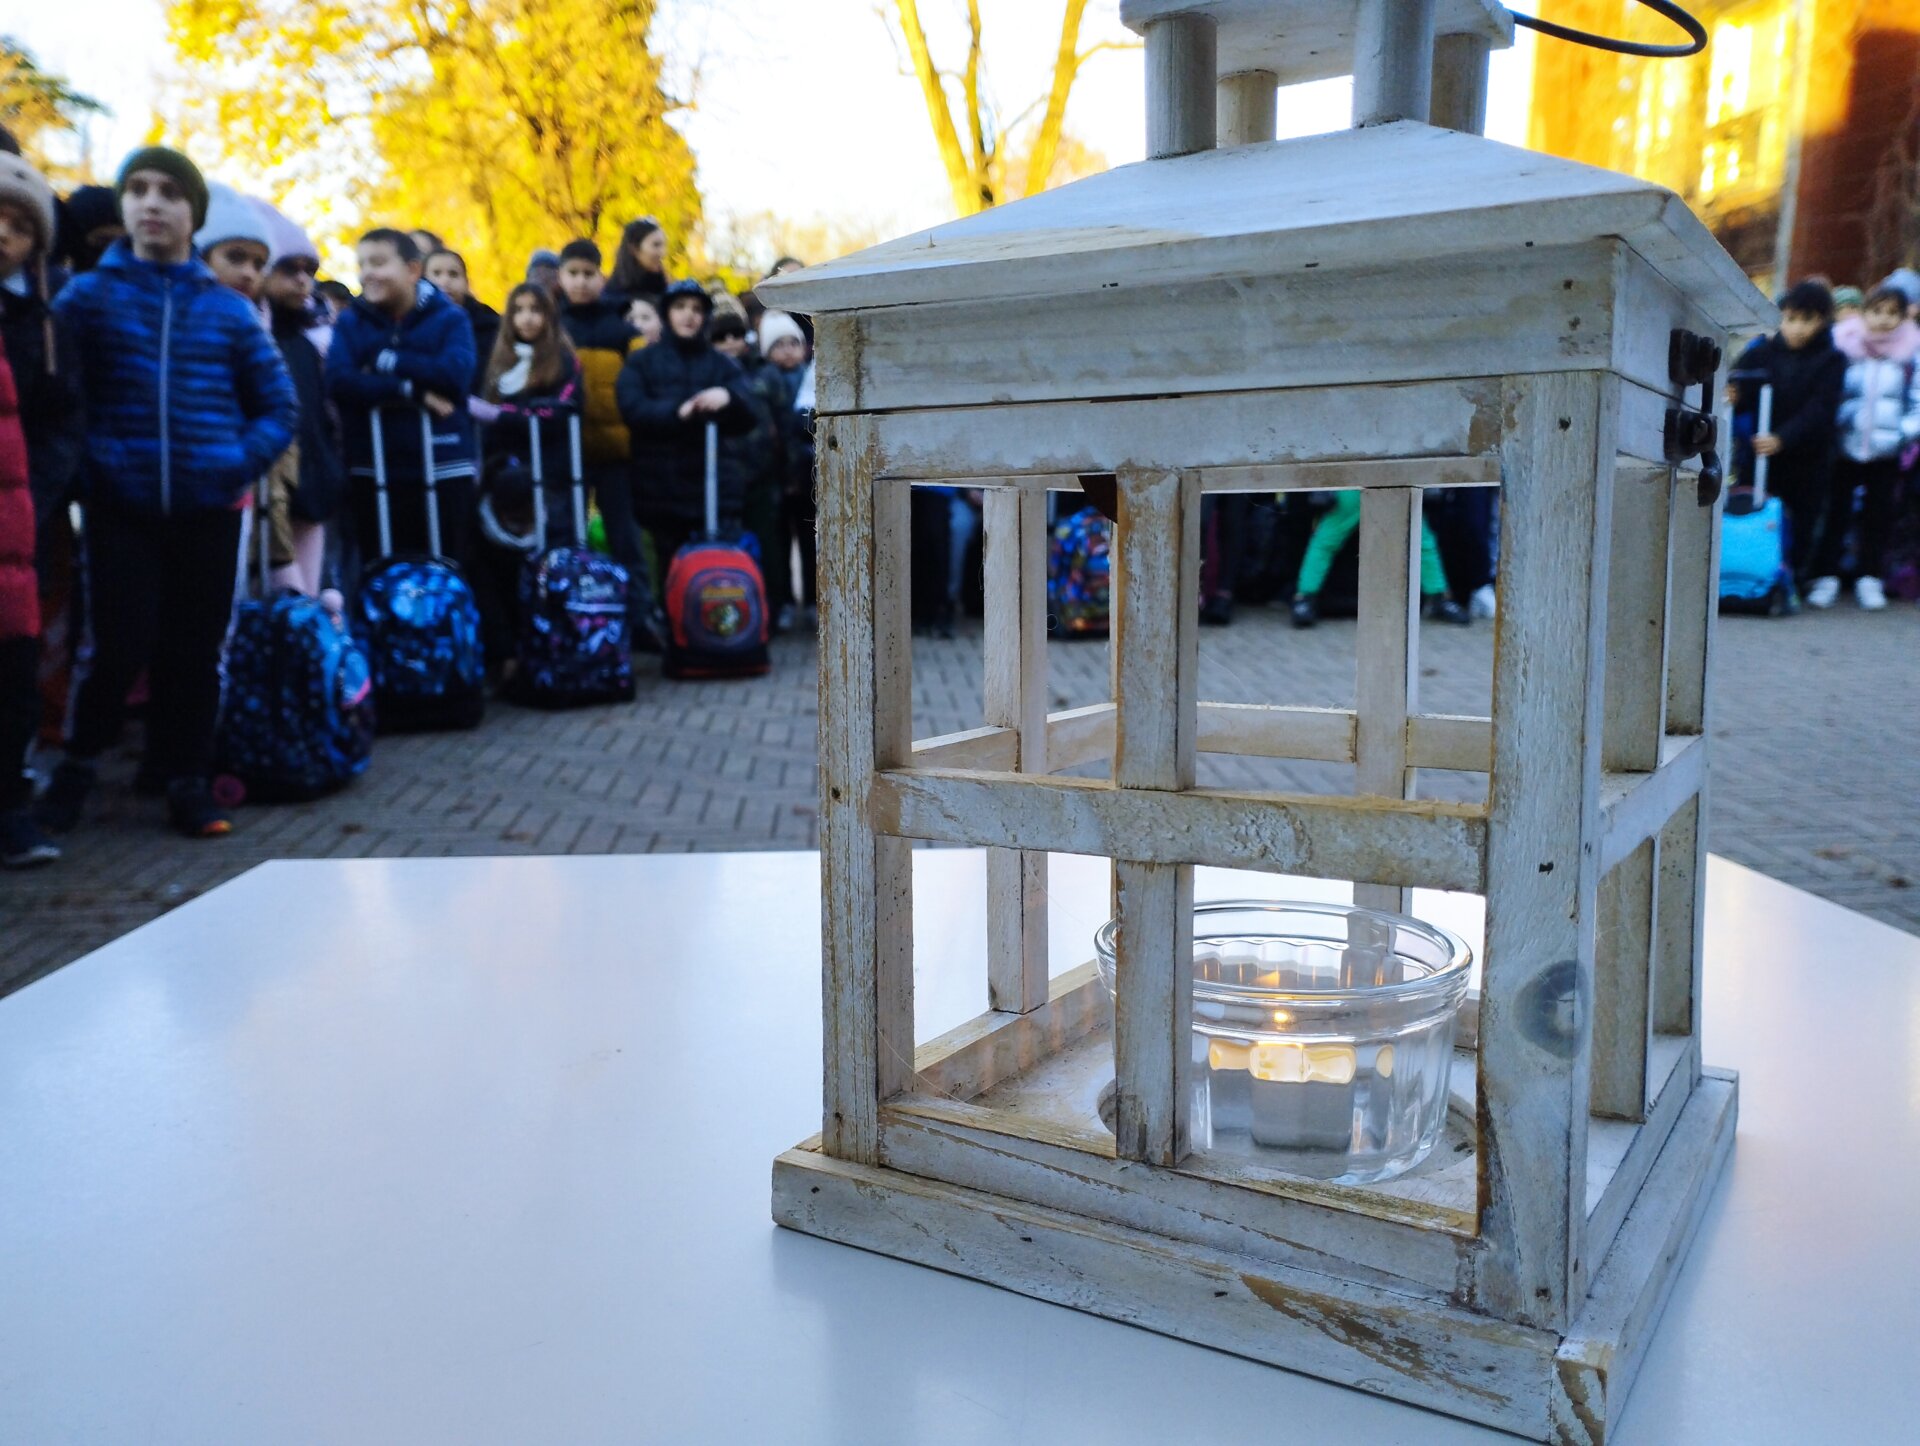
[(1322, 1034)]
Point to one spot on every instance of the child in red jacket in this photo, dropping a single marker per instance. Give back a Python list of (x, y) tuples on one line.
[(26, 227)]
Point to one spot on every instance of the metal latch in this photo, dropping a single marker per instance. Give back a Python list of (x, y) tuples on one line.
[(1694, 360)]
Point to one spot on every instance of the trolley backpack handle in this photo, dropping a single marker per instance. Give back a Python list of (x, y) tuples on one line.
[(713, 480), (1762, 426), (539, 485), (263, 545), (381, 505), (579, 482)]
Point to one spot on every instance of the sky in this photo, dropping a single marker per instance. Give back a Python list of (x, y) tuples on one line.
[(802, 107)]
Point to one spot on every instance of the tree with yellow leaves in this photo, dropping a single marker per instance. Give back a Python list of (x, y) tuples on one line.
[(36, 104), (994, 162), (503, 125)]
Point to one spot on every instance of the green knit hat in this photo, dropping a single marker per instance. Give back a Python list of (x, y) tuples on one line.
[(168, 162)]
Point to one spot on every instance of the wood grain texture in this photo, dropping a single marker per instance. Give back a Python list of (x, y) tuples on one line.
[(1693, 592), (1546, 309), (1417, 844), (1246, 106), (1301, 424), (1676, 1067), (1636, 806), (1679, 916), (1388, 1342), (1295, 207), (1156, 601), (1387, 649), (1153, 1011), (1604, 1350), (1636, 658), (997, 749), (866, 898), (1623, 988), (996, 1046), (1460, 71), (1542, 872), (1180, 85), (1015, 697), (1392, 61), (1315, 1229)]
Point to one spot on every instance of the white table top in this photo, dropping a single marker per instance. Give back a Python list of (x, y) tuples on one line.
[(476, 1151)]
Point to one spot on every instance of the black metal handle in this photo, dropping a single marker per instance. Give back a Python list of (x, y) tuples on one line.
[(1694, 360), (1696, 33)]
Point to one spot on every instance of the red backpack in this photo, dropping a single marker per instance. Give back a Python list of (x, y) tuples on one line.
[(716, 613)]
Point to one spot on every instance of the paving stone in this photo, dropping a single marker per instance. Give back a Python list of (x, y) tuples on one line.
[(1817, 779)]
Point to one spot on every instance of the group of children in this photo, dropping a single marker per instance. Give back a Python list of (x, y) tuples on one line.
[(1841, 432), (164, 354)]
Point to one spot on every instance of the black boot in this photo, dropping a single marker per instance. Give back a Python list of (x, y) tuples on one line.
[(1217, 611), (1440, 608), (194, 812), (1306, 610), (60, 807)]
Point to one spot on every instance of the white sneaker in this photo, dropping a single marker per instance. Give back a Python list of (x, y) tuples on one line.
[(1870, 594), (1823, 592), (1481, 604)]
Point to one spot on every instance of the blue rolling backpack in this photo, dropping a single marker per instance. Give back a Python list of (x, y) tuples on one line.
[(296, 718), (1754, 540), (418, 618), (573, 645)]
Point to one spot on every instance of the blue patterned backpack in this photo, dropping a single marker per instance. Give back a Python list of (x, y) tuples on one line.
[(1078, 575), (574, 645), (296, 719), (419, 621)]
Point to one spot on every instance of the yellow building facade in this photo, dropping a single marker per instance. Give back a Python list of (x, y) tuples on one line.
[(1796, 135)]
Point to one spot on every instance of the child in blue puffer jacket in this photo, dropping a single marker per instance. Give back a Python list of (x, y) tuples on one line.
[(400, 348), (187, 404)]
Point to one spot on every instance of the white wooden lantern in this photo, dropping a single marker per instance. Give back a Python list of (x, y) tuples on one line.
[(1387, 308)]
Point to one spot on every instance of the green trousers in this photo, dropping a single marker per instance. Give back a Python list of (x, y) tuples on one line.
[(1330, 534)]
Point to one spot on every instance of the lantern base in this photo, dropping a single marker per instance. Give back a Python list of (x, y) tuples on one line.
[(1418, 1349)]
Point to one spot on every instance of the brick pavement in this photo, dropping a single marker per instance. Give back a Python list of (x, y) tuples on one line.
[(1817, 784)]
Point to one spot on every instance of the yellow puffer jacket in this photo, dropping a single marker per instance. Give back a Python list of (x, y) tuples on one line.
[(602, 338)]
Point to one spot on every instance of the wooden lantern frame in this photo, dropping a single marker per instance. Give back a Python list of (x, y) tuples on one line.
[(1525, 1302)]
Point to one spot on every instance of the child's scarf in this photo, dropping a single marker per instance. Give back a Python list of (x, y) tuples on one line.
[(1853, 337)]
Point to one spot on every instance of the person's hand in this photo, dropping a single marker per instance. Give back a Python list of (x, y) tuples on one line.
[(713, 399), (437, 404), (686, 408), (1766, 445)]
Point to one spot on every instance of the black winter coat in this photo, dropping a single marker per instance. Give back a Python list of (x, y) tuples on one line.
[(486, 331), (53, 404), (323, 475), (669, 454), (1806, 404)]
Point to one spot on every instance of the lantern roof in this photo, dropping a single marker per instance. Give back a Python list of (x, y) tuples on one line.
[(1303, 40), (1404, 193)]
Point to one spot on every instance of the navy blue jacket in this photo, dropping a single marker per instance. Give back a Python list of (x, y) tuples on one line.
[(669, 455), (375, 361), (187, 399)]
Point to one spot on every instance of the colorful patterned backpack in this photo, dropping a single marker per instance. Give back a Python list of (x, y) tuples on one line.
[(574, 645), (296, 719), (1078, 575), (419, 619)]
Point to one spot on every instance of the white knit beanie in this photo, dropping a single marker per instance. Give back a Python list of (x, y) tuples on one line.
[(231, 217), (778, 326)]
